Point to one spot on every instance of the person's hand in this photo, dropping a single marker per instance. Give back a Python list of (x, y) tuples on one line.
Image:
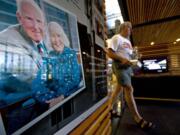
[(125, 61), (54, 101)]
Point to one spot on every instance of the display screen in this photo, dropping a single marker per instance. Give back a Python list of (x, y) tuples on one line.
[(155, 65), (40, 62)]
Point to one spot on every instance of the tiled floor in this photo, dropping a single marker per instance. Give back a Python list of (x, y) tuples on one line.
[(165, 115)]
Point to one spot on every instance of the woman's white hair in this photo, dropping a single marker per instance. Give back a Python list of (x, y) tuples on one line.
[(57, 28)]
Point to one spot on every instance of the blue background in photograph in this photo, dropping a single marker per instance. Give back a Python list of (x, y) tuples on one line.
[(7, 13)]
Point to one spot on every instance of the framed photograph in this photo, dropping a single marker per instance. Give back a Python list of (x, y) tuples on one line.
[(41, 63)]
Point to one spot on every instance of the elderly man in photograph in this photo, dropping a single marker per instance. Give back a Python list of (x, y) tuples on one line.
[(30, 31)]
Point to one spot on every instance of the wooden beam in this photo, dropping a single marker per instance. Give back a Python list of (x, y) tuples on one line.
[(163, 20)]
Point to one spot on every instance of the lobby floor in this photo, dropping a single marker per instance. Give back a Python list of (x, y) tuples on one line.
[(165, 115)]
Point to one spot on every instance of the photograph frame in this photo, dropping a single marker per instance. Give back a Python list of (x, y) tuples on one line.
[(47, 112)]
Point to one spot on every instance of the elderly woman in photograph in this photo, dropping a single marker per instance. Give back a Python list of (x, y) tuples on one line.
[(64, 75)]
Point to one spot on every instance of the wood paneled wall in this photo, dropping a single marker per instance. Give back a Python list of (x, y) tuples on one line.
[(171, 51)]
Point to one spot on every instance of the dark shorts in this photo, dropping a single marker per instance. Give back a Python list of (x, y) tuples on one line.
[(123, 74)]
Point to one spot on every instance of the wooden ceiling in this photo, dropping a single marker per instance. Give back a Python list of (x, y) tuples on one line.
[(155, 21)]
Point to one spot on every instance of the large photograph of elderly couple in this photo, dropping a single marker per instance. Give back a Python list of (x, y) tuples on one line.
[(40, 61)]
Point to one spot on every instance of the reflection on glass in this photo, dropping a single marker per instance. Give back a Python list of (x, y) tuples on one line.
[(16, 73)]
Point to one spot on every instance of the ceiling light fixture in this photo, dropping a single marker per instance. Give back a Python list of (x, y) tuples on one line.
[(152, 43), (177, 40)]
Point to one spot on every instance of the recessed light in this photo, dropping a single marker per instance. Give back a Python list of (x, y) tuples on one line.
[(177, 40), (152, 43)]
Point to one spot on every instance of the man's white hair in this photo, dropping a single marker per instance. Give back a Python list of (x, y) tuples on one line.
[(124, 25), (21, 3), (57, 28)]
